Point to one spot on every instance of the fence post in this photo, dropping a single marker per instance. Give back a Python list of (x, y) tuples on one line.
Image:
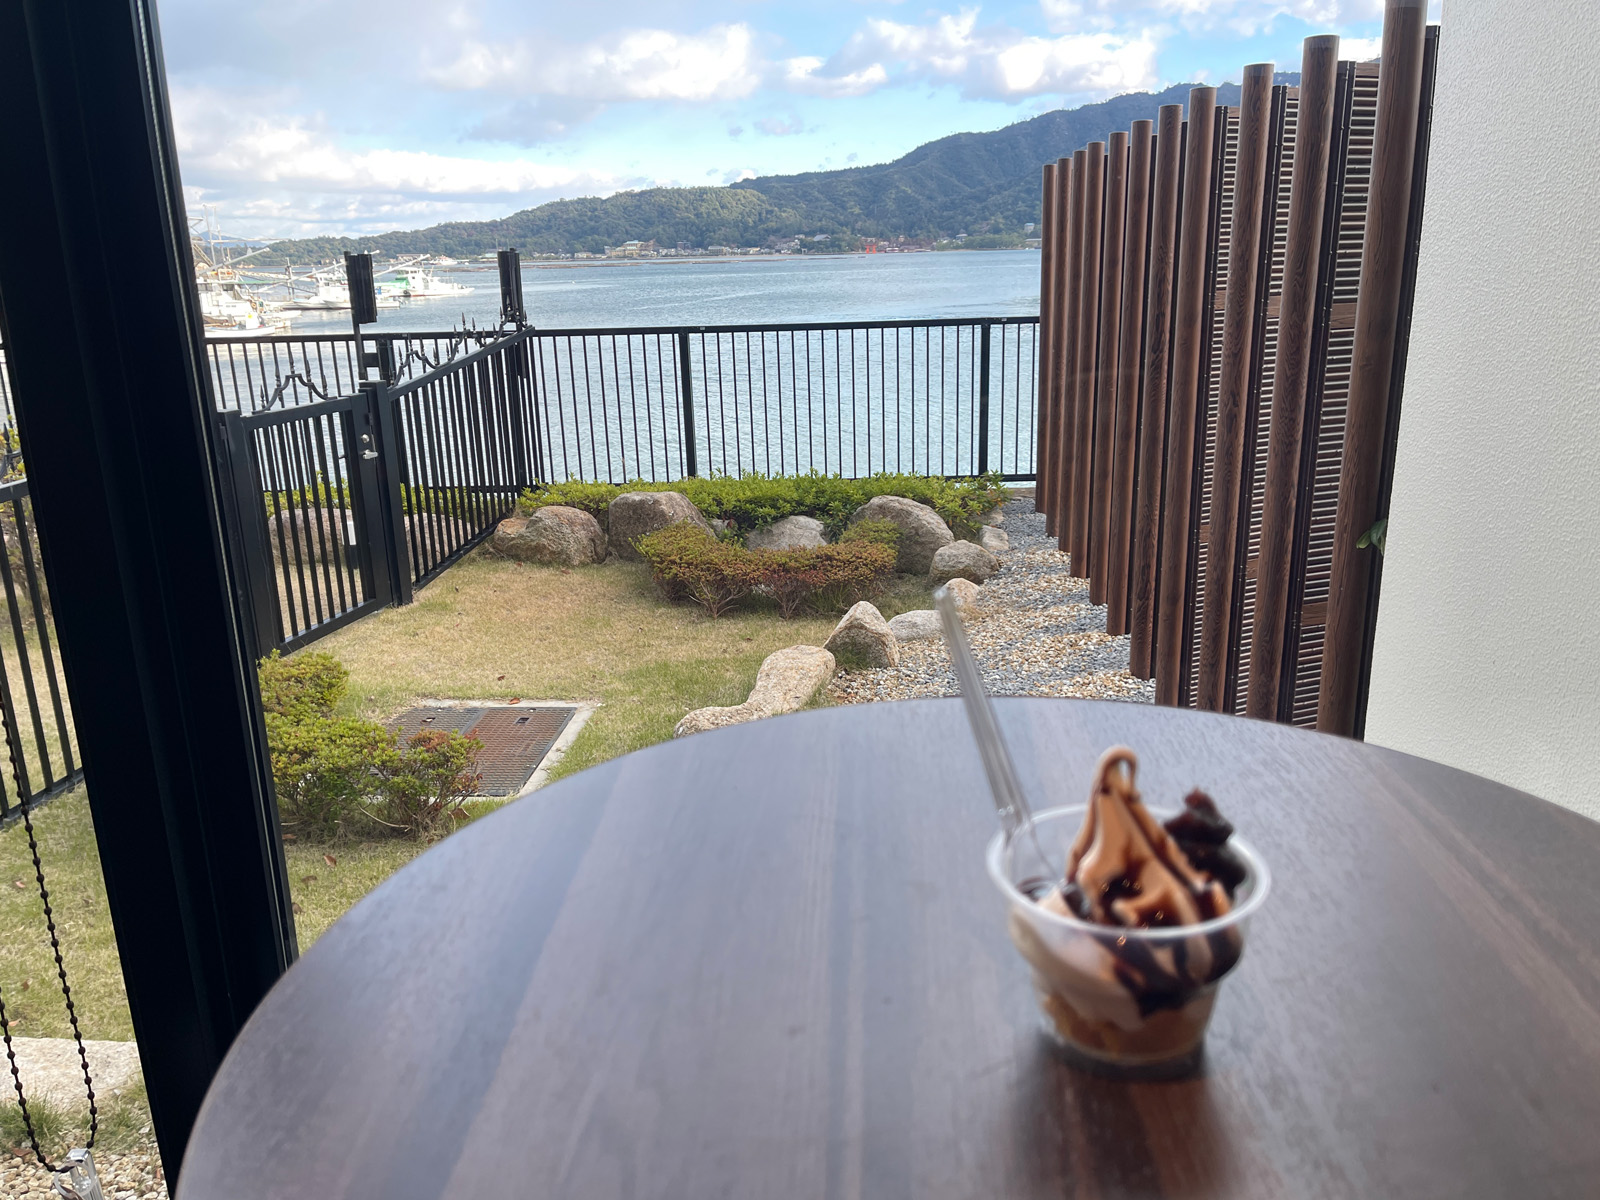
[(246, 512), (691, 465), (383, 505), (516, 359), (983, 402)]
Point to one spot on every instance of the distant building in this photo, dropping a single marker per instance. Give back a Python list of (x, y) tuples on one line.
[(634, 249)]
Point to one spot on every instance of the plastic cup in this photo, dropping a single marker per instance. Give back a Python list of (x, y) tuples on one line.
[(1122, 1001)]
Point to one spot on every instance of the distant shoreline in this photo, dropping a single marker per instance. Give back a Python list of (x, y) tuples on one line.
[(675, 260)]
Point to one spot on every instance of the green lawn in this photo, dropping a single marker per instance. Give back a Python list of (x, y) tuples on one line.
[(487, 629)]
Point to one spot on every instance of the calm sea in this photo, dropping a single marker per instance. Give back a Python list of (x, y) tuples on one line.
[(756, 290)]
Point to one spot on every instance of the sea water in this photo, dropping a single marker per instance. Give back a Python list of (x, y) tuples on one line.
[(757, 289)]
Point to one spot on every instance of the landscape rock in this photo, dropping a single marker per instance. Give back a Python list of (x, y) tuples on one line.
[(789, 533), (862, 638), (634, 514), (995, 541), (52, 1071), (311, 532), (922, 531), (786, 682), (556, 535), (992, 518), (719, 526), (916, 625), (962, 560), (968, 596)]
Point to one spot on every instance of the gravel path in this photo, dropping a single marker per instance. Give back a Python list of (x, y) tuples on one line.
[(1037, 635), (122, 1177)]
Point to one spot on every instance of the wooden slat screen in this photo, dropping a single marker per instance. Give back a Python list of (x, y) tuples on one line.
[(1142, 319)]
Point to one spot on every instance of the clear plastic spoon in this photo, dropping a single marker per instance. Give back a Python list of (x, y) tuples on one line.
[(1009, 802)]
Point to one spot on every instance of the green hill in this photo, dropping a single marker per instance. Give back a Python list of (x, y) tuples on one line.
[(981, 184)]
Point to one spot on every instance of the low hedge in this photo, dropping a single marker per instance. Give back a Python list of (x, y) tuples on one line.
[(754, 501), (717, 575), (338, 776)]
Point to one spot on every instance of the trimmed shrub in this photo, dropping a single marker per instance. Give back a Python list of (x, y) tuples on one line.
[(825, 578), (342, 776), (426, 781), (688, 565), (878, 533), (300, 688), (752, 501)]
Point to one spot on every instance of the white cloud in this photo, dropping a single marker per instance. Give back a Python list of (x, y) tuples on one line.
[(283, 174), (1241, 16), (720, 63), (996, 62), (1360, 49), (804, 75)]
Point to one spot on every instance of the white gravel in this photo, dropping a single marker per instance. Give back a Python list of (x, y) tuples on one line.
[(122, 1177), (1036, 635)]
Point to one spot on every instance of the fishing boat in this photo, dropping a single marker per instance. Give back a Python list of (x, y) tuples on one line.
[(418, 283)]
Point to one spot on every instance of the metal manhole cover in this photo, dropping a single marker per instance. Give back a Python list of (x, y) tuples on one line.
[(515, 739)]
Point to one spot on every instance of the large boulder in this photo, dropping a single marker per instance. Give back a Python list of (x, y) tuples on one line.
[(862, 639), (967, 595), (786, 682), (922, 531), (962, 560), (995, 541), (634, 514), (790, 533), (992, 518), (556, 534), (916, 625)]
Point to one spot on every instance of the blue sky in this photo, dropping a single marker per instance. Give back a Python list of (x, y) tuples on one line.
[(301, 116)]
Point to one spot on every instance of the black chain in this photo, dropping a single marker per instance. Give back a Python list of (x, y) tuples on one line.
[(61, 967)]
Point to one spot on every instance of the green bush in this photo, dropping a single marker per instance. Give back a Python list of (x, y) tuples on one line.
[(425, 782), (310, 685), (879, 533), (825, 578), (753, 501), (688, 565), (342, 776)]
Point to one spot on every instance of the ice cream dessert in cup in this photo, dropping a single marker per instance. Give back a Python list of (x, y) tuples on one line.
[(1129, 948)]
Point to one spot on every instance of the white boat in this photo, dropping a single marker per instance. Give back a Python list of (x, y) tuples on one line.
[(329, 294), (417, 283), (229, 310)]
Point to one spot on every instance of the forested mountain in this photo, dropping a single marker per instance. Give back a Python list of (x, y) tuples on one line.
[(973, 183)]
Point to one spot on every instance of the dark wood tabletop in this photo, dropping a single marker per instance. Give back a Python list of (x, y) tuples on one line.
[(767, 961)]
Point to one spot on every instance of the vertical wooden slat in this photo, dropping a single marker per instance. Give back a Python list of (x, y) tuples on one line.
[(1261, 402), (1157, 362), (1372, 368), (1124, 462), (1047, 240), (1076, 533), (1103, 409), (1066, 388), (1333, 344), (1061, 353), (1190, 306), (1238, 338), (1297, 310)]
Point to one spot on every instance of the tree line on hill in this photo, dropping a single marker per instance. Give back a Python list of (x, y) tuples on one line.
[(983, 185)]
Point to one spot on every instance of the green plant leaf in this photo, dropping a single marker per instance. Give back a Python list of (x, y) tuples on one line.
[(1375, 536)]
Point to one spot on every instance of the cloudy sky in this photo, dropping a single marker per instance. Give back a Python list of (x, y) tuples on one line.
[(306, 116)]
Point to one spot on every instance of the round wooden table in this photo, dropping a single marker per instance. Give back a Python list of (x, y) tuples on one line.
[(767, 962)]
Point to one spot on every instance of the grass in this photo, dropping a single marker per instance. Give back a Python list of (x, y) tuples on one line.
[(487, 629), (491, 629), (124, 1124)]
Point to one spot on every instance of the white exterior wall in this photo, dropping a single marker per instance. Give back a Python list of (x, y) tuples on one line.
[(1487, 653)]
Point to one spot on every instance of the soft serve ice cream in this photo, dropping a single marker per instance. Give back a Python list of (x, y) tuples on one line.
[(1127, 950)]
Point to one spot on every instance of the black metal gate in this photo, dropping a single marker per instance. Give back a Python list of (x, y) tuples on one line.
[(346, 505)]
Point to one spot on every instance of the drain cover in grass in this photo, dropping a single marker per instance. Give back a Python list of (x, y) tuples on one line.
[(515, 738)]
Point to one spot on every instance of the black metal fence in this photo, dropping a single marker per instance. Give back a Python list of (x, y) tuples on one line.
[(341, 506), (261, 374), (38, 729), (951, 397), (347, 495)]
